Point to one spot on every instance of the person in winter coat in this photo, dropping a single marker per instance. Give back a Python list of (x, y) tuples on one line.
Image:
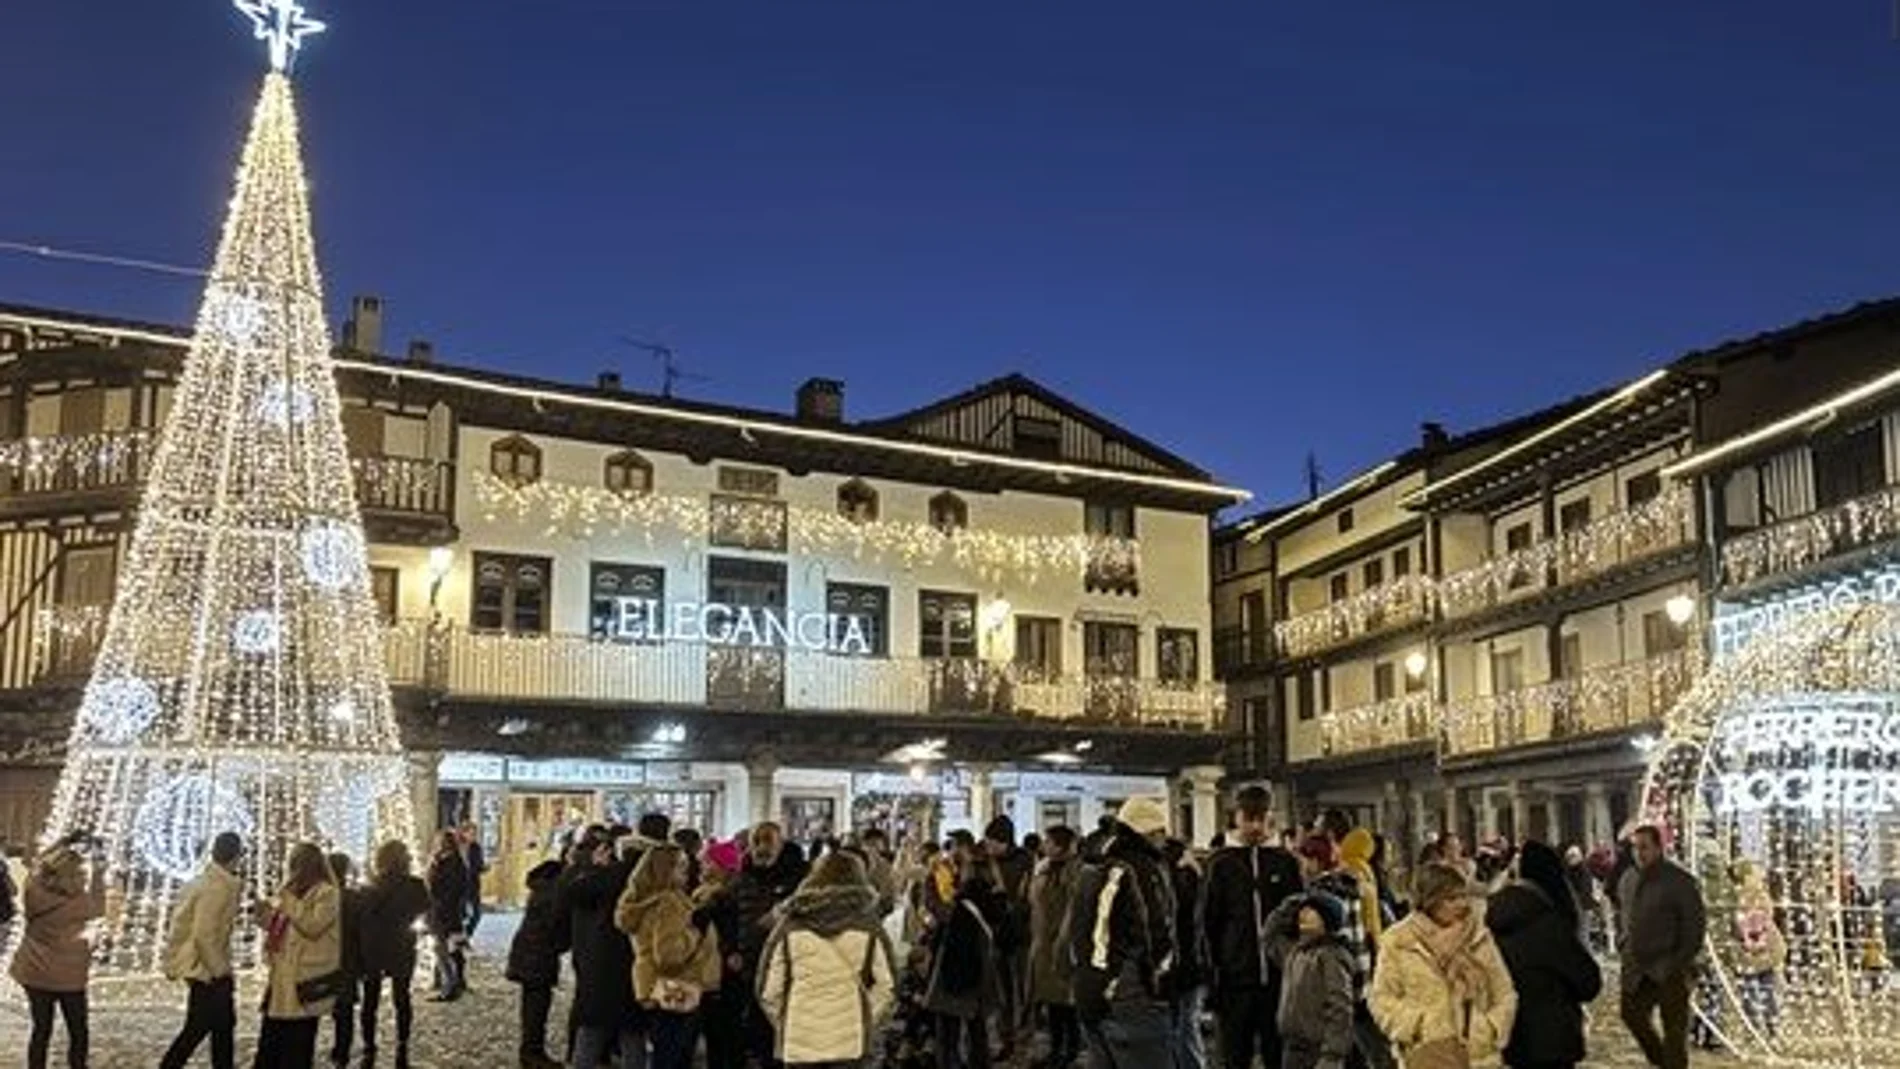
[(1051, 973), (1245, 883), (722, 1012), (54, 959), (1315, 1016), (675, 962), (1010, 867), (448, 916), (1325, 871), (198, 951), (303, 945), (826, 975), (1663, 922), (1441, 981), (391, 902), (1124, 943), (1535, 924), (1761, 950), (963, 972), (534, 961), (1355, 858), (773, 870), (350, 937), (605, 1015), (1188, 978)]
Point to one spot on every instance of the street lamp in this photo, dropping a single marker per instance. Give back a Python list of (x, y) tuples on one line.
[(1680, 609), (1415, 664), (440, 557)]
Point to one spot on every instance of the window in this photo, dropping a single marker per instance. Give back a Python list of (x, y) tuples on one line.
[(1660, 636), (1848, 466), (511, 594), (1518, 538), (82, 411), (1110, 649), (747, 523), (1038, 648), (1108, 521), (1385, 679), (1226, 558), (1177, 655), (1253, 626), (1416, 683), (385, 586), (1507, 671), (1573, 515), (515, 460), (755, 482), (1038, 438), (608, 583), (870, 607), (736, 581), (948, 513), (628, 474), (857, 502), (946, 624), (1374, 572), (363, 430), (1305, 701), (1642, 489), (1401, 562), (1345, 520), (1338, 588), (1570, 656)]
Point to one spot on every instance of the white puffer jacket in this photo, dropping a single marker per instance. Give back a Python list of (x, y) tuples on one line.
[(814, 971)]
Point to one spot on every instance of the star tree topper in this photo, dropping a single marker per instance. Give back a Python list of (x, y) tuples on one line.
[(283, 24)]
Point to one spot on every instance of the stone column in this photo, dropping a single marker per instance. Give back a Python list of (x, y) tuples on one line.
[(1203, 790), (423, 786), (1553, 821), (761, 775), (1520, 811), (982, 798), (1392, 815), (1596, 815), (1452, 823), (1488, 810), (1421, 823)]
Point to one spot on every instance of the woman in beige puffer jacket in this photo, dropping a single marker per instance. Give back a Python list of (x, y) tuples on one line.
[(302, 943), (1440, 978), (54, 959), (675, 962)]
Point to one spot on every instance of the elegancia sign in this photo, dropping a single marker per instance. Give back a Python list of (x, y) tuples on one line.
[(1738, 625), (719, 624)]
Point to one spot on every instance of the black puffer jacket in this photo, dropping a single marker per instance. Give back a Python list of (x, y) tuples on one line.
[(757, 892), (1130, 957), (1553, 971), (1245, 884), (388, 934), (534, 955), (603, 957)]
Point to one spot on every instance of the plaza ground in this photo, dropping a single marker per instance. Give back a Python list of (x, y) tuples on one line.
[(479, 1032)]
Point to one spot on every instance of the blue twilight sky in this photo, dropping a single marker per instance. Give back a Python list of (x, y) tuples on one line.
[(1244, 229)]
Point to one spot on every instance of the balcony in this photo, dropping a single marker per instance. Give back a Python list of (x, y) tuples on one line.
[(1386, 607), (1380, 726), (1598, 548), (1609, 699), (408, 500), (1238, 650), (72, 471), (690, 674), (1792, 545)]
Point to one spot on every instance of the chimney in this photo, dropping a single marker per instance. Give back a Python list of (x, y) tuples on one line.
[(421, 352), (363, 331), (610, 381), (821, 401), (1433, 436)]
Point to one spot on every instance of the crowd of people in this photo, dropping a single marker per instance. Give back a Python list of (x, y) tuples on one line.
[(1105, 949)]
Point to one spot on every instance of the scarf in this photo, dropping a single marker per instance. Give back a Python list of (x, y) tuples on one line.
[(1450, 948)]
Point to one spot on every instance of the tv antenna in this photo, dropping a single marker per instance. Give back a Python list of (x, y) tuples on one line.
[(1315, 481), (672, 372)]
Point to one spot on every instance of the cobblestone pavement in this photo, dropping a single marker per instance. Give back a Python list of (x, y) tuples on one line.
[(479, 1032)]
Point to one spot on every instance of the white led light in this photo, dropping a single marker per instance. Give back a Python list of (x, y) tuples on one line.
[(116, 710), (281, 404), (333, 555), (257, 632), (282, 25), (238, 315), (179, 818)]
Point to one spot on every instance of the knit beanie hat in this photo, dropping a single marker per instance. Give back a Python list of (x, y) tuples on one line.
[(1320, 850), (724, 856), (1332, 912), (1143, 814)]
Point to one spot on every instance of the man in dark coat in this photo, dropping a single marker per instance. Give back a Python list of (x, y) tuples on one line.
[(773, 870), (1123, 942), (534, 961), (1664, 923), (1245, 884), (1535, 923), (1009, 867), (605, 1014)]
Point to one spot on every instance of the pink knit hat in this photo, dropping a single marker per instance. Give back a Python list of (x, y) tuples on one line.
[(724, 856)]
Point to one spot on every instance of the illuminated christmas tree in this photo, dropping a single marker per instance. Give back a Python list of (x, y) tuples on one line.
[(240, 685)]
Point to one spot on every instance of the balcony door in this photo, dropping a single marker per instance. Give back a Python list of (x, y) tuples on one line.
[(745, 677), (946, 639), (86, 577), (1111, 658)]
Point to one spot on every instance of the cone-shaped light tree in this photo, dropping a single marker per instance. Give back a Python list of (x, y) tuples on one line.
[(241, 684)]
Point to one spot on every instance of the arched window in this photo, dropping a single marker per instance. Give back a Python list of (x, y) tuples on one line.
[(629, 474), (857, 502), (949, 513), (515, 460)]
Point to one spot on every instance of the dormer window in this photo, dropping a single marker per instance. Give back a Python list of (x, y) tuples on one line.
[(515, 460), (628, 474), (948, 513), (857, 501)]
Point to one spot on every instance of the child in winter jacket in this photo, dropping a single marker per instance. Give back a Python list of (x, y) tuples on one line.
[(1316, 997)]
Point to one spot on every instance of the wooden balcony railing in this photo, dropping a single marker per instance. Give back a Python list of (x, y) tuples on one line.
[(1663, 523), (1806, 540), (1380, 726), (410, 485), (1388, 606), (1613, 698), (78, 463)]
